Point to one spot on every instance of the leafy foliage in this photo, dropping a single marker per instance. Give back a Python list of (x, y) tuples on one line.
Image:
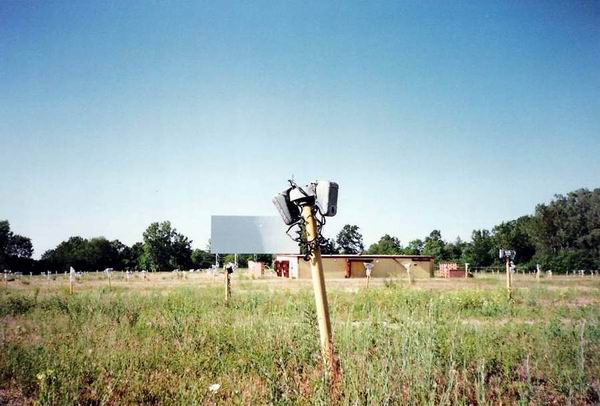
[(350, 240), (482, 250), (435, 246), (415, 247), (165, 248), (15, 250), (202, 259), (387, 245), (566, 231), (329, 247), (87, 255), (562, 235)]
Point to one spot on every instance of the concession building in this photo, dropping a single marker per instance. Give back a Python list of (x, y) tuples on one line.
[(353, 266)]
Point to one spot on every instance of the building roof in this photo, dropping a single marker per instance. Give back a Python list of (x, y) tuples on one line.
[(363, 256)]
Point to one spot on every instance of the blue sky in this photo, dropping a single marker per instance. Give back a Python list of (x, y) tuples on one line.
[(448, 115)]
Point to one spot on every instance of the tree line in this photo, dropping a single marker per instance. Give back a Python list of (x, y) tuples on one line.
[(162, 248), (562, 235)]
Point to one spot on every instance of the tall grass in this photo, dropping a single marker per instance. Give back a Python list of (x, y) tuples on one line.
[(395, 345)]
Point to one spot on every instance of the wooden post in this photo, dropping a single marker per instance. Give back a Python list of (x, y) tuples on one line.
[(109, 284), (71, 280), (410, 279), (538, 272), (318, 278), (466, 270), (227, 286), (368, 269), (508, 279)]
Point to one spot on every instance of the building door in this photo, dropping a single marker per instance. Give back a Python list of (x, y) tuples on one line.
[(286, 269), (282, 268), (348, 269)]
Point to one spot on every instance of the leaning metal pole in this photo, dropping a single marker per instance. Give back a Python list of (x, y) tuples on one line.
[(318, 279)]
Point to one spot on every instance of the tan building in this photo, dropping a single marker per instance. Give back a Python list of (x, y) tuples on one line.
[(353, 266), (256, 269)]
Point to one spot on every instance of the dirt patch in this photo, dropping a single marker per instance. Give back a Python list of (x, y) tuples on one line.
[(11, 395)]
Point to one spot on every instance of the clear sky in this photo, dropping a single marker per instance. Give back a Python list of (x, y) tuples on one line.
[(448, 115)]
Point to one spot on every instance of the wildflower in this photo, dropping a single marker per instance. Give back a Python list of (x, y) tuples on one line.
[(214, 387)]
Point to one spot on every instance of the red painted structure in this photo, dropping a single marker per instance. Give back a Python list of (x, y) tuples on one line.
[(282, 268), (451, 270)]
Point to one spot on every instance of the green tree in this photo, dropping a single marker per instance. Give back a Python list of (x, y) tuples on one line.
[(15, 250), (567, 231), (202, 259), (85, 255), (181, 251), (144, 262), (454, 250), (515, 235), (415, 247), (100, 253), (165, 248), (350, 240), (157, 245), (481, 251), (435, 246), (329, 247), (130, 255), (73, 252), (227, 258), (387, 245), (19, 247), (5, 235)]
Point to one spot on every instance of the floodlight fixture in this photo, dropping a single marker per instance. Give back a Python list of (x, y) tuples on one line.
[(326, 196), (289, 212), (323, 194), (307, 207)]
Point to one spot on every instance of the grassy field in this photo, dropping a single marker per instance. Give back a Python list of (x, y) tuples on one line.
[(167, 340)]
